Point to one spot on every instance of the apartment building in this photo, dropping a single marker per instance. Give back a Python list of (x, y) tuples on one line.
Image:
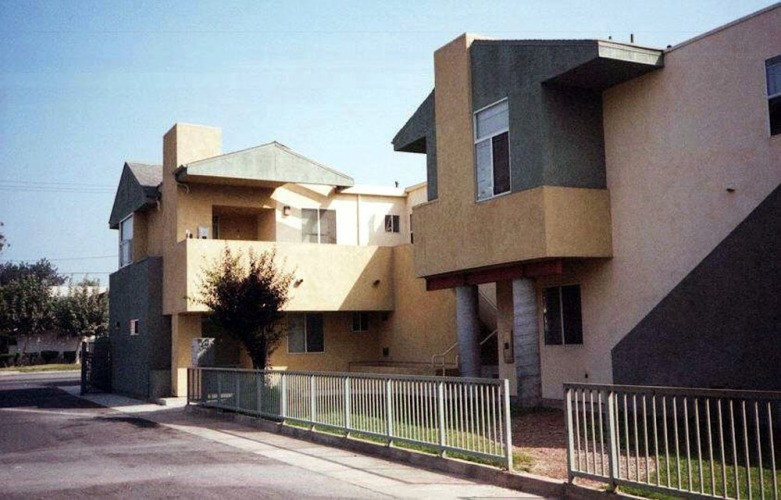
[(355, 303), (622, 201)]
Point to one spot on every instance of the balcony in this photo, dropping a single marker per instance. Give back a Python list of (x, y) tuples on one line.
[(327, 277), (452, 235)]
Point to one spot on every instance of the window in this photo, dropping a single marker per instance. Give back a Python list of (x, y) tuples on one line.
[(134, 327), (492, 150), (305, 333), (773, 74), (561, 315), (318, 226), (411, 235), (216, 227), (360, 322), (392, 224), (126, 241)]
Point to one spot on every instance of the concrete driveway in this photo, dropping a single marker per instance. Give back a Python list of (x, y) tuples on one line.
[(55, 445)]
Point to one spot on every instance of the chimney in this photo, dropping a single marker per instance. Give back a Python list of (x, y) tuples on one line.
[(186, 143)]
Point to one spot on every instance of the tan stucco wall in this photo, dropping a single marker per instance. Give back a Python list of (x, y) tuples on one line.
[(674, 141), (457, 233), (341, 347), (140, 240), (422, 323), (335, 277), (184, 328), (538, 223)]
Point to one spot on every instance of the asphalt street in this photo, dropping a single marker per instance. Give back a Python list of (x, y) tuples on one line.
[(56, 445)]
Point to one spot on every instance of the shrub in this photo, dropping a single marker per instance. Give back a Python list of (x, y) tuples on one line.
[(69, 356), (49, 356)]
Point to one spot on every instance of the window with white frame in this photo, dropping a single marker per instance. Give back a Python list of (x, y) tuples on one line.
[(360, 322), (773, 75), (392, 224), (562, 316), (318, 225), (492, 150), (126, 241), (305, 333), (134, 327)]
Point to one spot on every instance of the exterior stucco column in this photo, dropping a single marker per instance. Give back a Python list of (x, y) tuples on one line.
[(504, 325), (468, 330), (527, 344)]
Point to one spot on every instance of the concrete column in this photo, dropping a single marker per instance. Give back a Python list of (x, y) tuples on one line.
[(468, 330), (527, 343)]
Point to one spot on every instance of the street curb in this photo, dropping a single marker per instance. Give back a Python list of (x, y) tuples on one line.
[(527, 483)]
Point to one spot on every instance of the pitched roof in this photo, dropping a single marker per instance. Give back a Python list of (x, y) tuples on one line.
[(149, 176), (271, 165), (138, 189)]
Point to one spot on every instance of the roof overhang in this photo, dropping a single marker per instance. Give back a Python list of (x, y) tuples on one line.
[(412, 136), (271, 165), (613, 63)]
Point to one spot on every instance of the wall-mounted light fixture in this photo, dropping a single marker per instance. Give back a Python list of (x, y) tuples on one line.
[(730, 189), (297, 283), (286, 210), (376, 283)]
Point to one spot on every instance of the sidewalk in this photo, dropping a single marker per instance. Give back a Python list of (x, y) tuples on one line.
[(376, 474)]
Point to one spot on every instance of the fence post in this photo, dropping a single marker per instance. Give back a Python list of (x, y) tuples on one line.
[(219, 388), (441, 412), (260, 382), (283, 396), (612, 456), (389, 411), (347, 406), (508, 426), (570, 434), (189, 384), (312, 407), (237, 390)]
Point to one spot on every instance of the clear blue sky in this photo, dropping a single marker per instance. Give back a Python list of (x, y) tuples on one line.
[(85, 86)]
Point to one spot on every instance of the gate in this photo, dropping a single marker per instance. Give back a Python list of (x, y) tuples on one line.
[(96, 366)]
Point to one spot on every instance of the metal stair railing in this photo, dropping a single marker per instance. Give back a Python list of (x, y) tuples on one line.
[(443, 355)]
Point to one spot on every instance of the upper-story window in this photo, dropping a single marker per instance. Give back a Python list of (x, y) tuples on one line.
[(126, 241), (492, 150), (318, 225), (392, 224), (773, 72)]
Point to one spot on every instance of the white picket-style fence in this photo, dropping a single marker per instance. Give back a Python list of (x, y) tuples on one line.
[(690, 442), (465, 416)]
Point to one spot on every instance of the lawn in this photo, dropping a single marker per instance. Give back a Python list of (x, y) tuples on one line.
[(720, 471)]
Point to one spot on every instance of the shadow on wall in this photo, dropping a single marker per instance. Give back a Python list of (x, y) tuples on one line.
[(721, 326)]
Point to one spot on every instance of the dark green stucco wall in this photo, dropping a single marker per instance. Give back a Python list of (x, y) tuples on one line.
[(140, 363), (556, 135)]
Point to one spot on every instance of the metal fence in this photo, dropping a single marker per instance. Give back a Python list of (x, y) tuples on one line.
[(465, 416), (693, 442)]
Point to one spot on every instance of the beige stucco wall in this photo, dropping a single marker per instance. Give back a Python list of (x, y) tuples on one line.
[(341, 346), (675, 140), (335, 277), (422, 323), (455, 233)]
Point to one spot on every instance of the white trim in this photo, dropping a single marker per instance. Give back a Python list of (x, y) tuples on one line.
[(492, 104), (490, 137)]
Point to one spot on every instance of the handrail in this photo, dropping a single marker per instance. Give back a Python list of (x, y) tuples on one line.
[(444, 354), (488, 301)]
